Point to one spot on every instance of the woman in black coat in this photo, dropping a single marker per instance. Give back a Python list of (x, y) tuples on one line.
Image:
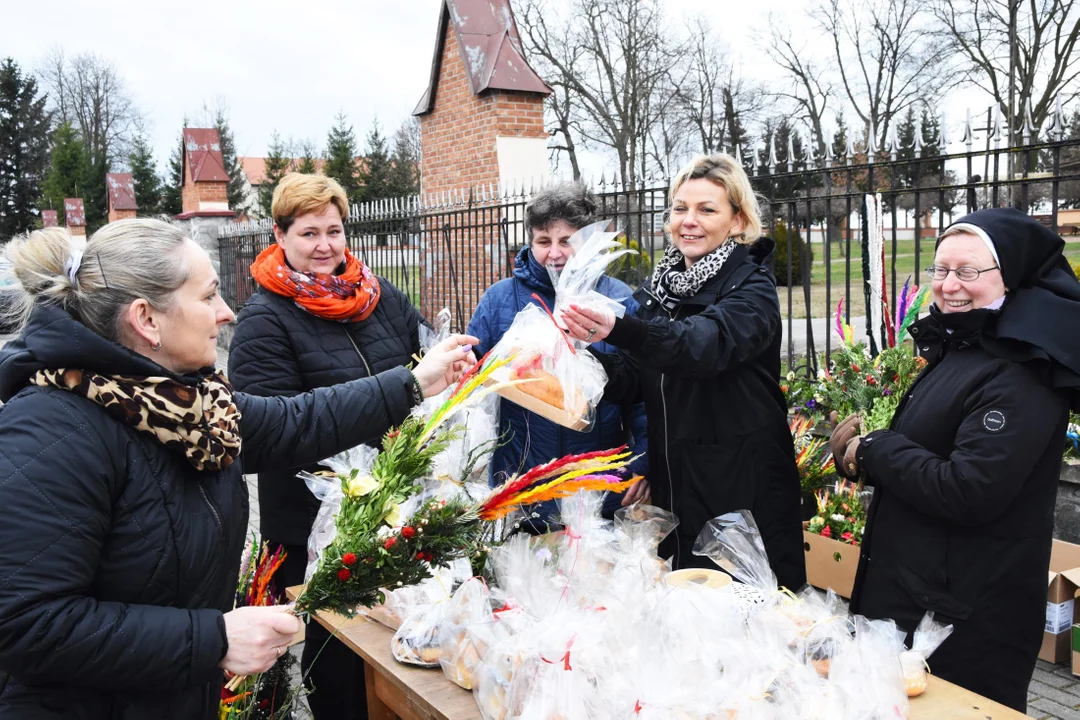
[(319, 317), (121, 479), (704, 354), (966, 476)]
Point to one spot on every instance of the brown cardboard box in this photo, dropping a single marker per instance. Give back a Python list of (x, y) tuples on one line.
[(1076, 649), (1062, 584), (831, 563)]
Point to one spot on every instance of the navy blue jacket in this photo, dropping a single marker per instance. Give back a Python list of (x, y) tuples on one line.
[(534, 439), (117, 557)]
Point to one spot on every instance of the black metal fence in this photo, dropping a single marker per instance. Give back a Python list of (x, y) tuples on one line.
[(446, 250)]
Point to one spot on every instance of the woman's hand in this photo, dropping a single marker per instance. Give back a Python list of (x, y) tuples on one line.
[(257, 637), (444, 364), (638, 492), (840, 440), (586, 324)]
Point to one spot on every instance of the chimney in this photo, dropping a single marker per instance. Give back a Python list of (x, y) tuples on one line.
[(120, 190), (75, 216)]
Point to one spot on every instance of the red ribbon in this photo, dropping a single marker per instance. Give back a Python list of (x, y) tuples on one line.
[(565, 659), (548, 311)]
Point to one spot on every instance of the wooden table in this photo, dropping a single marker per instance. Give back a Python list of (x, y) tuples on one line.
[(395, 690)]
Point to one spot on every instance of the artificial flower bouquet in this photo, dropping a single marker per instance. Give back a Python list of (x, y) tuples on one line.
[(813, 458), (550, 373), (1072, 438), (269, 695), (841, 512), (390, 529)]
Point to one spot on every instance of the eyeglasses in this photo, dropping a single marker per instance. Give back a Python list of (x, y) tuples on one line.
[(963, 274)]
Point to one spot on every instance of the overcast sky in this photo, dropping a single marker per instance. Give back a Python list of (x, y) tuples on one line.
[(287, 66)]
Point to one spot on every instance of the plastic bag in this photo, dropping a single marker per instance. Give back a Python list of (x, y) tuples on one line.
[(328, 490), (461, 649), (595, 248), (416, 642), (734, 543), (565, 379), (867, 674), (928, 637)]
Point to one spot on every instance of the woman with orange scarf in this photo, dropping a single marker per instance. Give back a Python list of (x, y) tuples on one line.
[(319, 317)]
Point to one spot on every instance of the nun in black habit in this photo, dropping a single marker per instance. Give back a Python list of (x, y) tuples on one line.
[(966, 476)]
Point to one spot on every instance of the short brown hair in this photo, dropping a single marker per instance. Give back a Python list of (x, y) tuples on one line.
[(723, 170), (299, 194)]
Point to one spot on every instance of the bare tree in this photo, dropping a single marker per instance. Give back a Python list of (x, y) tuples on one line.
[(809, 86), (613, 60), (1046, 61), (87, 92), (886, 57)]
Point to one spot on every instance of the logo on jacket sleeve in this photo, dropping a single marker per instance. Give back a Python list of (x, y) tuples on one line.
[(994, 421)]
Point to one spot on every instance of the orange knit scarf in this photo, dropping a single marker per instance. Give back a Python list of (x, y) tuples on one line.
[(348, 297)]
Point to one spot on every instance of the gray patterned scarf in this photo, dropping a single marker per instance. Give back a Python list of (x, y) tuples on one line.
[(671, 285)]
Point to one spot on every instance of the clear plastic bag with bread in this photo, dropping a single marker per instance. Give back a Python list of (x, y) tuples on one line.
[(733, 541), (559, 379), (465, 633), (416, 642), (927, 638)]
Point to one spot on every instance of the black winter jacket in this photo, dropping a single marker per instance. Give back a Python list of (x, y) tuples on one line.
[(117, 557), (718, 434), (963, 511), (279, 348)]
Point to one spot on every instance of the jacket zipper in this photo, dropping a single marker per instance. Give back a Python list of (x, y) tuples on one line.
[(214, 512), (357, 349), (667, 445)]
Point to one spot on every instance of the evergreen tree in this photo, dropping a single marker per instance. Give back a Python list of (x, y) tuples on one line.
[(375, 175), (95, 193), (405, 162), (24, 149), (235, 191), (737, 134), (277, 165), (172, 201), (306, 162), (148, 187), (69, 164), (341, 158), (839, 143)]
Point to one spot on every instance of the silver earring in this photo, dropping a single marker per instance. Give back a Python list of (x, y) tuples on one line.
[(157, 346)]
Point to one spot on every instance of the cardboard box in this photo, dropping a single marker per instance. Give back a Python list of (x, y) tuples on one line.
[(830, 563), (1076, 649), (1062, 584)]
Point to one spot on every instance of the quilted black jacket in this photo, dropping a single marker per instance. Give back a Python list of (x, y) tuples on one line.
[(117, 557), (280, 349)]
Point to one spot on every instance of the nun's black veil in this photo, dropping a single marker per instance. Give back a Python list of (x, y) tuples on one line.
[(1040, 320)]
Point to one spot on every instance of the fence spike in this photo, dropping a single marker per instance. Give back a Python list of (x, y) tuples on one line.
[(1057, 124), (738, 155), (1029, 125), (892, 141), (871, 144), (969, 132), (849, 151), (998, 129), (790, 150), (943, 140), (772, 153), (828, 155), (917, 145)]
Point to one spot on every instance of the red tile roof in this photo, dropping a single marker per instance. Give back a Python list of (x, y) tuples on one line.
[(74, 213), (121, 189), (490, 47), (255, 167), (202, 155)]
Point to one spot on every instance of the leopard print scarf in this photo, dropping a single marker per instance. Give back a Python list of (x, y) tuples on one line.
[(200, 421), (670, 285)]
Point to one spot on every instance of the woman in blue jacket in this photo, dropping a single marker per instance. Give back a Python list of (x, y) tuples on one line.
[(551, 218)]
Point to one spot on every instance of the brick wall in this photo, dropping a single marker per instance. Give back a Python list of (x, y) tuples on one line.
[(77, 230), (115, 215), (194, 194), (458, 138)]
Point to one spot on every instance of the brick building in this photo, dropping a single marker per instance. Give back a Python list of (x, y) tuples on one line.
[(120, 191)]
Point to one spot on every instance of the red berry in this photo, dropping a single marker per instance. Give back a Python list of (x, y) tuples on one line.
[(390, 541), (420, 555), (348, 559), (408, 532), (343, 574)]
